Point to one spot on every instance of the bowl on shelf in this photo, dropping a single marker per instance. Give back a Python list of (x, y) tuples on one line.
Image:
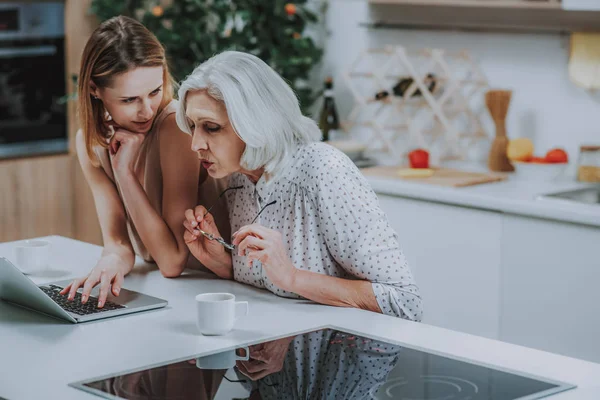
[(538, 171)]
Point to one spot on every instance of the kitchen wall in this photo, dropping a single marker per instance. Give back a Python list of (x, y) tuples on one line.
[(546, 106)]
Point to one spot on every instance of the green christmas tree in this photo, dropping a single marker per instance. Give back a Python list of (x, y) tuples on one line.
[(194, 30)]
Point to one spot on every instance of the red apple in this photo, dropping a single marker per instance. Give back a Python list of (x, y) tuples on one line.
[(418, 158)]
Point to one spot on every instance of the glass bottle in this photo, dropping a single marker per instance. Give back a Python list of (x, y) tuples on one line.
[(329, 121)]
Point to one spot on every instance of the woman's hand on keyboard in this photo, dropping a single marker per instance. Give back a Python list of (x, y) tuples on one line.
[(108, 272)]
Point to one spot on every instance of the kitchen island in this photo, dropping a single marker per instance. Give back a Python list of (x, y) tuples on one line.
[(41, 356)]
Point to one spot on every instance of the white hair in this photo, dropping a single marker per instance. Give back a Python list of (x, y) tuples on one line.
[(262, 108)]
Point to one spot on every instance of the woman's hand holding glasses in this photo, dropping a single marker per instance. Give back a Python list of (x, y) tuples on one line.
[(210, 253)]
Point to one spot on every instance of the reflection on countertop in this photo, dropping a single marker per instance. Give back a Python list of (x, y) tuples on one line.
[(34, 148), (325, 364)]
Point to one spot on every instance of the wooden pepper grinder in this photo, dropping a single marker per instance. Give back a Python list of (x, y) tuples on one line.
[(497, 102)]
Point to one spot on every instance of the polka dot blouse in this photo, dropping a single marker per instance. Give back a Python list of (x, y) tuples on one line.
[(330, 365), (331, 224)]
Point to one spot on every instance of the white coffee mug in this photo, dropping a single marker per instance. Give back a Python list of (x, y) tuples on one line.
[(217, 312), (223, 360), (32, 255)]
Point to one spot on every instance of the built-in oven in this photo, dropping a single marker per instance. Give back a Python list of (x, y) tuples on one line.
[(33, 117)]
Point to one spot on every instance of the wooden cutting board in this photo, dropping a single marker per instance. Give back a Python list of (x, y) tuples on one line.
[(441, 176)]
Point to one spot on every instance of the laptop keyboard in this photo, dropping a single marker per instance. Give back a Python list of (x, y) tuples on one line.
[(75, 306)]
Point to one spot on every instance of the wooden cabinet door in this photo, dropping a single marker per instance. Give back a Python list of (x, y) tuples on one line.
[(36, 197)]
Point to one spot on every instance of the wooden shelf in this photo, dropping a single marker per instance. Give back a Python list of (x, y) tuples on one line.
[(513, 4), (481, 15)]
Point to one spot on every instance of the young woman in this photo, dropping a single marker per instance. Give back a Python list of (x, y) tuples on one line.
[(136, 160)]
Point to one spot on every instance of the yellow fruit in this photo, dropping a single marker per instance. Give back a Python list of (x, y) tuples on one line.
[(520, 149), (415, 172)]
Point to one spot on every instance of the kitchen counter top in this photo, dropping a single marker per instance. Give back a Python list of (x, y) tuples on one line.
[(515, 195), (41, 356)]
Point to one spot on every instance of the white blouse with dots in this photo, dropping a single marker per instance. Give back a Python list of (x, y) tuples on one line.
[(331, 223), (330, 364)]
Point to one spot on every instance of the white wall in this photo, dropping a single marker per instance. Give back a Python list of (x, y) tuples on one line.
[(546, 106)]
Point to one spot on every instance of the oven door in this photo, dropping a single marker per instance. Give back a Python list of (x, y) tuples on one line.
[(32, 83)]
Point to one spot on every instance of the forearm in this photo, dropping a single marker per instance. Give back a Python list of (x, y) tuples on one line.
[(153, 230), (222, 267), (334, 291)]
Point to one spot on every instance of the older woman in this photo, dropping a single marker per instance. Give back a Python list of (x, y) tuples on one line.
[(306, 222)]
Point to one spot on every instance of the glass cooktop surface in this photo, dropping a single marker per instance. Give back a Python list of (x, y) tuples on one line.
[(325, 364)]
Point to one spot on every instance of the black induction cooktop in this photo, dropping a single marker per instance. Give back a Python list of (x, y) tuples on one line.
[(325, 364)]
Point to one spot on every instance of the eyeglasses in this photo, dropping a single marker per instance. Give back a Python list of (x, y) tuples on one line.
[(220, 240)]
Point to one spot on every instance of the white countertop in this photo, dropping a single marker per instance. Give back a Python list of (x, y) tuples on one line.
[(516, 195), (40, 356)]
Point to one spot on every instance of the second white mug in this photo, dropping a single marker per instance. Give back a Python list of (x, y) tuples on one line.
[(216, 313), (32, 255)]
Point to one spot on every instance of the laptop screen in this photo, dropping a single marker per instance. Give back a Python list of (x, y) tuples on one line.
[(325, 364)]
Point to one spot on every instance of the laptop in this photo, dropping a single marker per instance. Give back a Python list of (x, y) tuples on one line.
[(18, 289)]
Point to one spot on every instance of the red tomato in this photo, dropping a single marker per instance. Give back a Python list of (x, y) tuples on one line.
[(418, 158), (557, 156)]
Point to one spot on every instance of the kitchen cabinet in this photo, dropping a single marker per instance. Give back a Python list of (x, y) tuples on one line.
[(519, 279), (36, 197), (454, 253), (549, 295), (48, 195)]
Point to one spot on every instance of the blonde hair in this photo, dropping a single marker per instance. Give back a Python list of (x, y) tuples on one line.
[(261, 107), (118, 45)]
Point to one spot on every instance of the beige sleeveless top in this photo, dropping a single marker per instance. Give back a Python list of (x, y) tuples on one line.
[(152, 181)]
